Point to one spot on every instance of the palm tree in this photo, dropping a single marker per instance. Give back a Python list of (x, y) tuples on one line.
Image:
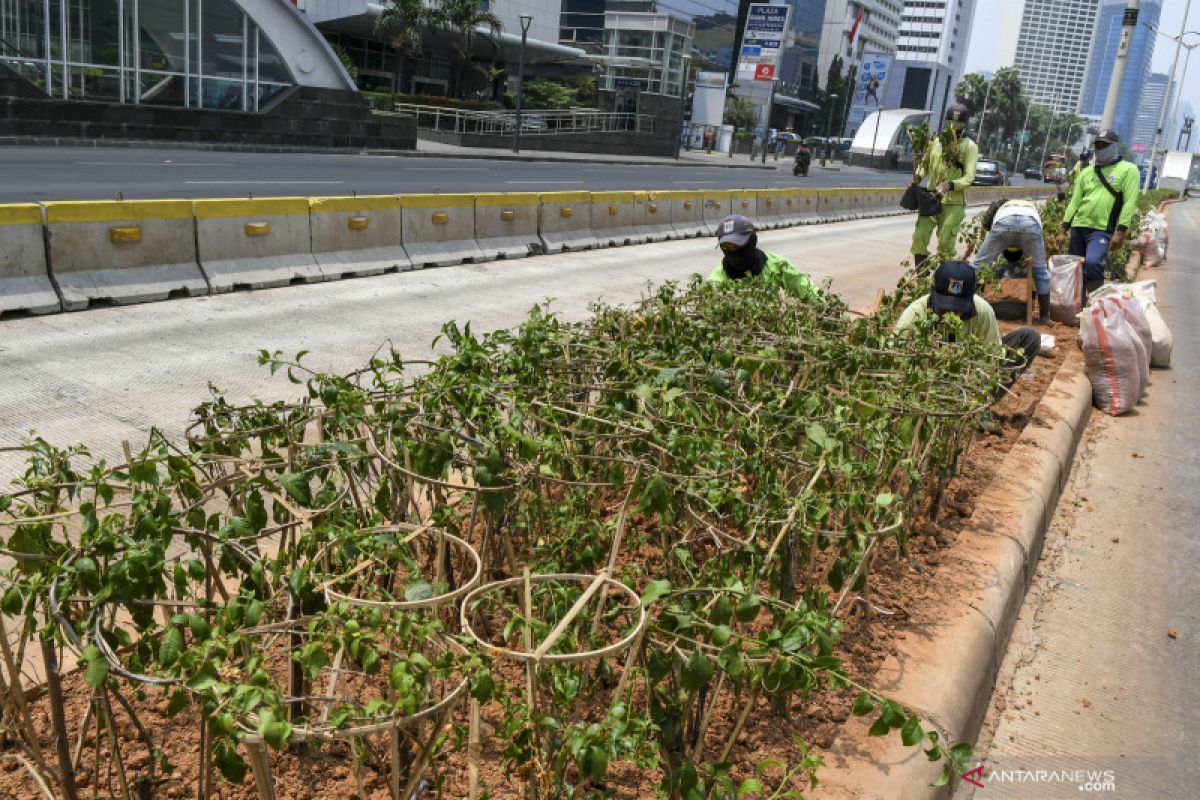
[(403, 24), (465, 16)]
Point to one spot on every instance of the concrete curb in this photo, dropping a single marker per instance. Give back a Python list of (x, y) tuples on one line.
[(946, 673)]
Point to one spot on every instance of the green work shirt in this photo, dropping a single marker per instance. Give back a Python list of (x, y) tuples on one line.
[(982, 326), (778, 271), (1091, 204), (940, 169)]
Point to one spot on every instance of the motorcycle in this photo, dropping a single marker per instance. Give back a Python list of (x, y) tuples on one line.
[(803, 159)]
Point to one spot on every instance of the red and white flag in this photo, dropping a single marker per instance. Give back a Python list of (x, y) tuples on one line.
[(854, 29)]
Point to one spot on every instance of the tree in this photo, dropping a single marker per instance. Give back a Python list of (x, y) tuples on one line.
[(740, 113), (464, 17), (402, 24), (971, 91), (831, 95)]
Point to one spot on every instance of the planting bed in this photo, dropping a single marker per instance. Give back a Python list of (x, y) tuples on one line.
[(415, 584)]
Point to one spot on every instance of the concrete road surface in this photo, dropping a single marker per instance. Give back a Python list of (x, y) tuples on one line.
[(108, 375), (32, 174), (1100, 690)]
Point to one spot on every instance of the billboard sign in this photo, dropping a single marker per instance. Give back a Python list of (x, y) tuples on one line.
[(868, 89), (762, 43), (708, 99)]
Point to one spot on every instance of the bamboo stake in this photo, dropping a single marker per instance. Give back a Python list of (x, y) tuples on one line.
[(614, 550), (737, 729), (571, 614), (397, 763), (698, 747), (111, 724), (14, 681), (58, 719), (260, 764), (473, 753)]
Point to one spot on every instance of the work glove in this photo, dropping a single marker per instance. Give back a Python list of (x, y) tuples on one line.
[(1043, 309)]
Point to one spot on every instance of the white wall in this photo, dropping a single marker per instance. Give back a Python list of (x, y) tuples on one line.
[(544, 12)]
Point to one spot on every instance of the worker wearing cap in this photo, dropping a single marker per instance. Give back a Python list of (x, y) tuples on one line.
[(1085, 160), (953, 292), (744, 261), (1013, 232), (950, 172), (1103, 200)]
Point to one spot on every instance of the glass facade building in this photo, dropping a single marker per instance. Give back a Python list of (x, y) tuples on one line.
[(209, 54), (1104, 55)]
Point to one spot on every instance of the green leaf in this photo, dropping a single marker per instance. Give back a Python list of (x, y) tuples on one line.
[(274, 732), (655, 590), (418, 590), (697, 672), (944, 778), (911, 733), (97, 666), (231, 765), (879, 728), (13, 602), (722, 611), (750, 786), (893, 714), (171, 646), (296, 487), (254, 612), (178, 702), (747, 607), (720, 635), (144, 472), (863, 705), (597, 762)]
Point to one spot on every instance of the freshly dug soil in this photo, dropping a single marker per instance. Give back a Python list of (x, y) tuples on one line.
[(901, 600)]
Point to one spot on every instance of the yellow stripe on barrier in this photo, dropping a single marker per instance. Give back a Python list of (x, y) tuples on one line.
[(613, 197), (437, 200), (373, 202), (564, 197), (21, 214), (506, 199), (116, 210), (272, 206), (127, 233)]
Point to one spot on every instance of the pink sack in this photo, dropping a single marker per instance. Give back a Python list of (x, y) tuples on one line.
[(1110, 351)]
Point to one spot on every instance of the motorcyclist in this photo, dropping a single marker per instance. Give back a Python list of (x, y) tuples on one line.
[(803, 159)]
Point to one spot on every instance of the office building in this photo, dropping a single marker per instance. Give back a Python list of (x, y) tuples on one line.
[(1145, 124), (1104, 55), (1049, 42)]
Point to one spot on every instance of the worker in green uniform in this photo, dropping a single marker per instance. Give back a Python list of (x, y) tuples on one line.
[(949, 173), (1103, 200), (742, 260)]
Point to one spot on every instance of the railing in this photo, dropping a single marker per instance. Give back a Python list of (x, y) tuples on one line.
[(32, 68), (534, 122)]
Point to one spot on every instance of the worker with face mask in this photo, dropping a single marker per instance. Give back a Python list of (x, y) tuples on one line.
[(743, 261), (1103, 200), (950, 172)]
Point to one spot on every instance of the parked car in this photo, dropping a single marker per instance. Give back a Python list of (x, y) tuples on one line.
[(1033, 172), (990, 173)]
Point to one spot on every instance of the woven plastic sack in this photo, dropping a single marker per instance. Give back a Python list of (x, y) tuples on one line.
[(1110, 352), (1161, 340), (1066, 288), (1131, 309)]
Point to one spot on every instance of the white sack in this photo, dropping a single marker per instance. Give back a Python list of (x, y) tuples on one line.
[(1162, 342), (1066, 288), (1110, 351)]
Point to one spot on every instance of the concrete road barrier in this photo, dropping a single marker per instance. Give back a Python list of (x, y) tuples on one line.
[(357, 236), (809, 202), (744, 202), (655, 216), (506, 224), (565, 221), (856, 203), (615, 218), (255, 244), (771, 208), (128, 251), (687, 213), (439, 229), (717, 206), (24, 279)]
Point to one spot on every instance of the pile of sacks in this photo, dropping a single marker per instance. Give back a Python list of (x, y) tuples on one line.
[(1123, 335), (1152, 238)]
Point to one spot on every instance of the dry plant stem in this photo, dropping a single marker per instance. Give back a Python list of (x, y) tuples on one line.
[(422, 761), (863, 563), (618, 538), (741, 723), (635, 648), (473, 753), (356, 753), (530, 666), (14, 685), (698, 747), (58, 719), (110, 724), (260, 765), (397, 762), (29, 767), (331, 685), (83, 730)]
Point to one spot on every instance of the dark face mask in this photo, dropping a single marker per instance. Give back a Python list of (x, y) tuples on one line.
[(747, 260)]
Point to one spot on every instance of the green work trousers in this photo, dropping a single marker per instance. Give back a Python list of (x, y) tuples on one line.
[(947, 224)]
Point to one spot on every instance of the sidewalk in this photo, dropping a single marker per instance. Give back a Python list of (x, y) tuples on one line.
[(1100, 673)]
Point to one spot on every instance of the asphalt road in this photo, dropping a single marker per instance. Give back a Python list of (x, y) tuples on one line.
[(32, 174)]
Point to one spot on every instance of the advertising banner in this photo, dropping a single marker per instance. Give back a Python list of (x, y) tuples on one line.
[(762, 43), (868, 89)]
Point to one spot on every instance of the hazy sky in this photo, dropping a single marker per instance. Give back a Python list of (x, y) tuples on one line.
[(988, 15)]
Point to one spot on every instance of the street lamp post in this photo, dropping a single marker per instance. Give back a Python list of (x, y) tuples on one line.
[(526, 21), (1162, 116)]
